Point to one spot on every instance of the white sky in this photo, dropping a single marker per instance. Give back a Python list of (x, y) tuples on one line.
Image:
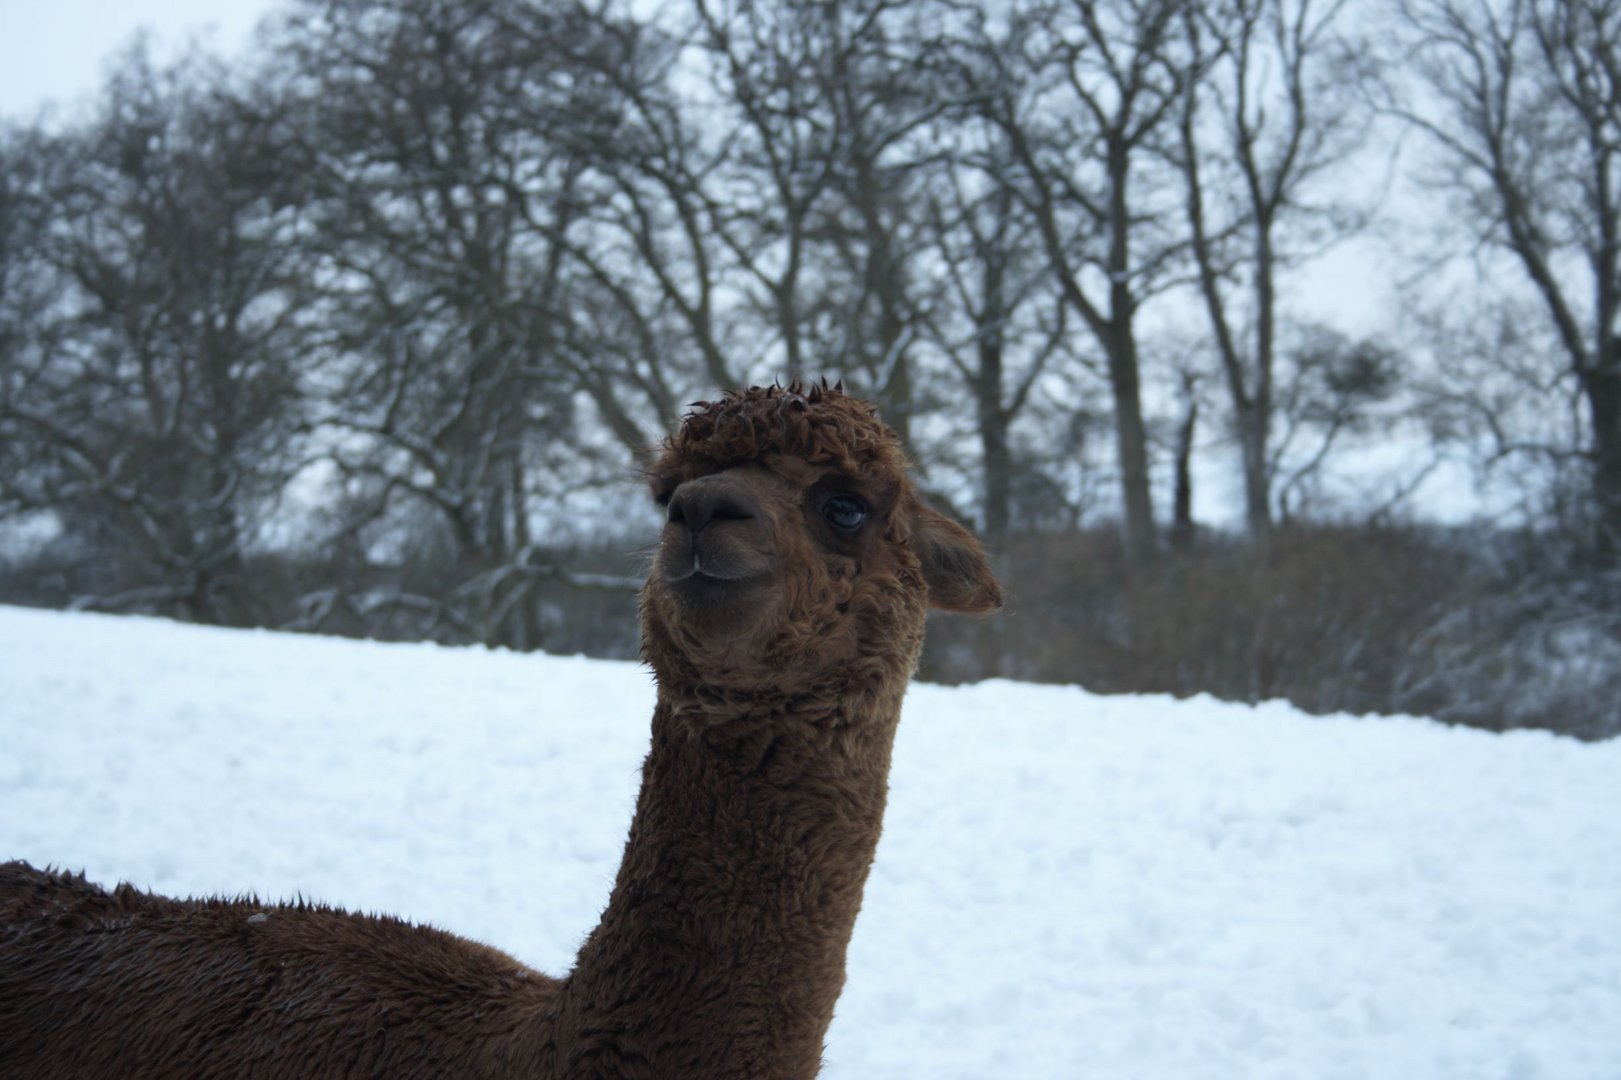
[(56, 50)]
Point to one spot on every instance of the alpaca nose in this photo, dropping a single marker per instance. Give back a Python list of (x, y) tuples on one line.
[(697, 503)]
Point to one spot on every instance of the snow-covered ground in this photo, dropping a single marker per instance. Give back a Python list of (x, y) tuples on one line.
[(1068, 885)]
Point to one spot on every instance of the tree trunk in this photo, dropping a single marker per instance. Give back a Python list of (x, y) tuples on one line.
[(1603, 389), (1252, 441), (1182, 527), (998, 476), (1132, 438), (993, 418), (1124, 376)]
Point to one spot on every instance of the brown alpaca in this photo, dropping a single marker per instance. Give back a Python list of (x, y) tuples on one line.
[(782, 617)]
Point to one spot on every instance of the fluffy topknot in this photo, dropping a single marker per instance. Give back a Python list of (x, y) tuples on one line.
[(820, 424)]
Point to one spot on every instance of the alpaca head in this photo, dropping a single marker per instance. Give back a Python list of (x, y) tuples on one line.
[(797, 552)]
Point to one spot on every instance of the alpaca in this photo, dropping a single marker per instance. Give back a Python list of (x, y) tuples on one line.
[(782, 617)]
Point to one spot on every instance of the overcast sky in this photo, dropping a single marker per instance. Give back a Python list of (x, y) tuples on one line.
[(56, 50)]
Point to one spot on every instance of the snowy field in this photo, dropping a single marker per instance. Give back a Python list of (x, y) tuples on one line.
[(1068, 886)]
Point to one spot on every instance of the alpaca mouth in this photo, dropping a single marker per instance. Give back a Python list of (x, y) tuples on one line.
[(714, 570), (691, 563), (714, 581), (714, 597)]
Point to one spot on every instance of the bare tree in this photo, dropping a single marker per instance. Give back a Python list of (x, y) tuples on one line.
[(662, 322), (30, 282), (766, 221), (1522, 100), (1276, 109), (1087, 95), (1333, 388), (157, 394), (784, 147), (875, 68), (1002, 324), (445, 142)]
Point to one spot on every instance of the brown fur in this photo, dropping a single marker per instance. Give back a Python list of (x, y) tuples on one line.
[(782, 647)]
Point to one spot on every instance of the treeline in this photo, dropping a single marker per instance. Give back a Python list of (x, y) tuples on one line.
[(365, 333)]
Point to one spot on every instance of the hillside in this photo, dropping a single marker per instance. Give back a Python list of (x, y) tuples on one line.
[(1068, 884)]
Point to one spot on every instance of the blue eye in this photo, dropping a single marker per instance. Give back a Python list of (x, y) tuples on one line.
[(845, 512)]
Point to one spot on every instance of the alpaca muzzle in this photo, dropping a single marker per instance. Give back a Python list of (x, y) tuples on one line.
[(716, 533)]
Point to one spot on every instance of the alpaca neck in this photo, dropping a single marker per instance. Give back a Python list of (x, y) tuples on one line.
[(721, 952)]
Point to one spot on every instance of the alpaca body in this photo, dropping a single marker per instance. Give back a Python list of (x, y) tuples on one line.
[(126, 984), (782, 619)]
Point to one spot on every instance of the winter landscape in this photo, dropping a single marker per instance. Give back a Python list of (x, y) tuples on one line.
[(1068, 885), (1270, 347)]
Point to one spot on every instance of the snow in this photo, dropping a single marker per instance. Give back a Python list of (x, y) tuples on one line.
[(1068, 884)]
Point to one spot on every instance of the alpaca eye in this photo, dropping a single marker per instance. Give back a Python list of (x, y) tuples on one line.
[(845, 512)]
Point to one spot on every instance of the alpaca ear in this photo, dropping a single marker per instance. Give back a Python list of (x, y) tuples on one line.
[(954, 565)]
